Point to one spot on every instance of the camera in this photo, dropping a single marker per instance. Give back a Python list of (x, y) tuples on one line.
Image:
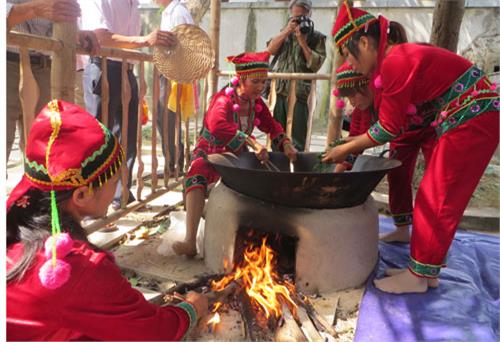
[(305, 23)]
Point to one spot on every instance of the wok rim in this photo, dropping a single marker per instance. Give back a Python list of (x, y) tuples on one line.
[(302, 173)]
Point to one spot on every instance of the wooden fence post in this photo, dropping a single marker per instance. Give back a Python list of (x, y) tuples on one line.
[(62, 75)]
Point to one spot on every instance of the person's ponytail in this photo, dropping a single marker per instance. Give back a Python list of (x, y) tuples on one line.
[(397, 35)]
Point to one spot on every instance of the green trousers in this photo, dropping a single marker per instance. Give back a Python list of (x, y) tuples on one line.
[(300, 116)]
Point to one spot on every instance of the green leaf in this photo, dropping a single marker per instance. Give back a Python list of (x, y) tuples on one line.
[(133, 281)]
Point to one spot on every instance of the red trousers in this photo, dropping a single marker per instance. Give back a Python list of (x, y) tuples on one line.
[(200, 175), (459, 159), (406, 148)]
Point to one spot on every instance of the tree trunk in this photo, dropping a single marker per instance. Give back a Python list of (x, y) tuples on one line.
[(197, 8), (446, 22), (335, 114)]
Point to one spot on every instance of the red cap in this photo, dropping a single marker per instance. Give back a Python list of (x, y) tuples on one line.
[(348, 78), (251, 64), (349, 20), (67, 148)]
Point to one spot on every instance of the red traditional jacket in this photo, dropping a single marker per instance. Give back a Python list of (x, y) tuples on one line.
[(96, 303), (421, 76), (361, 120), (225, 131)]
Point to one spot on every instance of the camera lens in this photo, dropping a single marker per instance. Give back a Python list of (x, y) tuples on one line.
[(305, 27)]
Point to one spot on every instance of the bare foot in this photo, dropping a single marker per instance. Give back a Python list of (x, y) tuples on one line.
[(403, 282), (401, 234), (184, 248), (431, 282)]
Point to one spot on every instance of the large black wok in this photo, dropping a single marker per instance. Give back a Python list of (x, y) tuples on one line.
[(303, 188)]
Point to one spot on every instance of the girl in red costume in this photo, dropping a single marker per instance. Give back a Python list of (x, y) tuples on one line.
[(466, 107), (233, 114), (418, 136), (59, 286)]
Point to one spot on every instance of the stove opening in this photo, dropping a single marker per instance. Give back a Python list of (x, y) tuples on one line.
[(284, 246)]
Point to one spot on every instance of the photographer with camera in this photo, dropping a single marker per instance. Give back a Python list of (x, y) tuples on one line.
[(297, 49)]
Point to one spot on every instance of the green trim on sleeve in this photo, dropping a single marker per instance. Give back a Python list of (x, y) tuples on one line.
[(237, 141), (379, 134)]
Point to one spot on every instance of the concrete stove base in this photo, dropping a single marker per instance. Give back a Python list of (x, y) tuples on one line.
[(336, 248)]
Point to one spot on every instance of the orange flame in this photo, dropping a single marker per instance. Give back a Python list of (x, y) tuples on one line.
[(214, 320), (260, 281)]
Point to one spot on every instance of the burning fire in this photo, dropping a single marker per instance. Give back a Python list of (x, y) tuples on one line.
[(214, 320), (260, 281)]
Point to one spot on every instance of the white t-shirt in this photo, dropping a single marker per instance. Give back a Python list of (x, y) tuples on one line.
[(118, 16), (175, 14)]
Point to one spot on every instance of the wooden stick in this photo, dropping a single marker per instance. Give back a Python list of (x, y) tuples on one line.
[(177, 129), (154, 158), (289, 330), (253, 330), (292, 99), (220, 296), (273, 166), (126, 93), (29, 92), (311, 105), (192, 284), (318, 320), (105, 93), (140, 162), (307, 326), (165, 130)]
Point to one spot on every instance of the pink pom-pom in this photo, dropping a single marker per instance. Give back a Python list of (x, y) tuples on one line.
[(64, 244), (235, 80), (258, 107), (443, 114), (229, 91), (378, 82), (236, 107), (336, 92), (340, 103), (434, 123), (475, 92), (256, 122), (53, 277), (412, 109), (493, 86)]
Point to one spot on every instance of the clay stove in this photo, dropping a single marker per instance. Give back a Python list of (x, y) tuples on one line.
[(329, 219)]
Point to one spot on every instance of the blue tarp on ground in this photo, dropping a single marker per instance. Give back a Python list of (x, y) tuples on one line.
[(465, 307)]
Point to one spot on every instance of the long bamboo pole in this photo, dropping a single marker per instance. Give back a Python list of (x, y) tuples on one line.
[(55, 45), (126, 97), (140, 162), (292, 99), (311, 104), (154, 159), (214, 36)]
